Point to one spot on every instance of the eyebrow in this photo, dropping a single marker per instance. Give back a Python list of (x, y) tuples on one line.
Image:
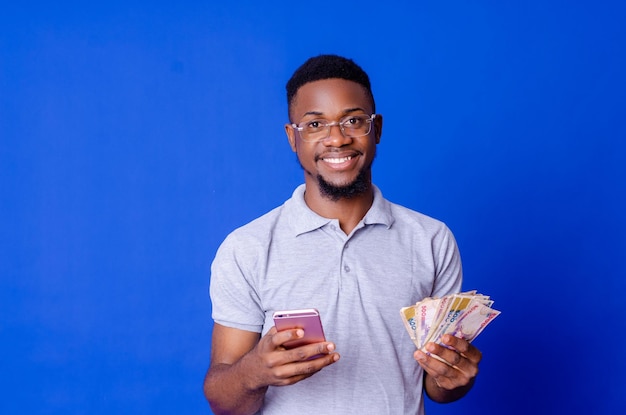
[(346, 111)]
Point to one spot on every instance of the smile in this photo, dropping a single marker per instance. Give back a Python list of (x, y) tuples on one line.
[(337, 160)]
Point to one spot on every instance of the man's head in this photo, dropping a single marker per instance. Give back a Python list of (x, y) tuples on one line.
[(331, 98), (327, 67)]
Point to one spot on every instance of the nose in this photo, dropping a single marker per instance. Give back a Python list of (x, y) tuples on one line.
[(336, 138)]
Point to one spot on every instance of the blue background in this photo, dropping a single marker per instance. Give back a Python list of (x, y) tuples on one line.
[(135, 135)]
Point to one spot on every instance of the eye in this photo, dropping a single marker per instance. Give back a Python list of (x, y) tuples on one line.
[(314, 125), (355, 121)]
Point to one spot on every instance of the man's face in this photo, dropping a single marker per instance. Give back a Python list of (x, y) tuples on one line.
[(339, 166)]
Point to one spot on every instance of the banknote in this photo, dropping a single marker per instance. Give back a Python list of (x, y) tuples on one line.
[(409, 319), (462, 315), (457, 305), (473, 322), (430, 312)]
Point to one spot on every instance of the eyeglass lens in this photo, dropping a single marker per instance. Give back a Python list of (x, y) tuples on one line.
[(355, 126)]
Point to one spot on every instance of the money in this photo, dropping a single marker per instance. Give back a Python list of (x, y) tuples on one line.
[(463, 315), (410, 321)]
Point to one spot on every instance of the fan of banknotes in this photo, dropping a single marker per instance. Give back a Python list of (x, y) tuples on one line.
[(462, 315)]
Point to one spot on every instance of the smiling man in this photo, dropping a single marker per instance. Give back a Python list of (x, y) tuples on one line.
[(338, 171), (339, 246), (337, 155)]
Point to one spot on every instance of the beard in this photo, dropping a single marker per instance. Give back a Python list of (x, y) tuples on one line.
[(357, 187), (361, 184)]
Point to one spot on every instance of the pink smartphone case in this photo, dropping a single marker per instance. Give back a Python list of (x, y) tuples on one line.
[(306, 319)]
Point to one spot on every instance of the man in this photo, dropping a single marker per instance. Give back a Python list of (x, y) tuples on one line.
[(336, 245)]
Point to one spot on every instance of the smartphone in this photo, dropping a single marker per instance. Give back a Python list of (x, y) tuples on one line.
[(307, 319)]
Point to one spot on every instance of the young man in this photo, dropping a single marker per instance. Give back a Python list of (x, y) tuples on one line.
[(336, 245)]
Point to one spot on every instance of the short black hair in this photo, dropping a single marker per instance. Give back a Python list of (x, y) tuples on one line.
[(327, 67)]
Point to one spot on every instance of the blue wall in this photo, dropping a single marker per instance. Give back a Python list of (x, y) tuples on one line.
[(135, 135)]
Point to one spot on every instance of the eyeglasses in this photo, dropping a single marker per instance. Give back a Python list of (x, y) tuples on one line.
[(350, 126)]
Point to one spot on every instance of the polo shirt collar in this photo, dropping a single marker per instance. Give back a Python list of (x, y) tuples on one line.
[(303, 219), (380, 212)]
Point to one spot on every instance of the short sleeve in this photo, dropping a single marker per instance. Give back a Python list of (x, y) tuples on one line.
[(234, 298), (449, 271)]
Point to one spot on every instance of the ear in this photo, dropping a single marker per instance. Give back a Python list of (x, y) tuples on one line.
[(378, 127), (291, 136)]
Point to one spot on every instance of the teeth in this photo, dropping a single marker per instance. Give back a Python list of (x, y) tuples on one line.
[(337, 160)]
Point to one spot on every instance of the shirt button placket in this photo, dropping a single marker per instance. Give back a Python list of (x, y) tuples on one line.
[(346, 267)]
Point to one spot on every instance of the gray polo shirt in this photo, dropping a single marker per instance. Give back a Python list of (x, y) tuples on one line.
[(293, 258)]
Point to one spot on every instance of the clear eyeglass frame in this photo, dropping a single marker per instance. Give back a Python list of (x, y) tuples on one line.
[(323, 131)]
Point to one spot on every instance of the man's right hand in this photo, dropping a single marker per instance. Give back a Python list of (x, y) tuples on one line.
[(243, 365), (274, 365)]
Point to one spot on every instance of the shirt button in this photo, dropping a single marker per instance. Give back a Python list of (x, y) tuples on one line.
[(346, 268)]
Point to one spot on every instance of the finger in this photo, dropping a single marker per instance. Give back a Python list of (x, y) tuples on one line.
[(454, 359), (464, 347), (441, 353), (296, 371), (432, 364), (444, 375), (279, 338), (309, 352)]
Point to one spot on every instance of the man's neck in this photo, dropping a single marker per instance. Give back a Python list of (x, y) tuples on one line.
[(348, 211)]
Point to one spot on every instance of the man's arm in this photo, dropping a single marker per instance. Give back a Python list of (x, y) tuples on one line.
[(447, 382), (224, 385), (243, 365)]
